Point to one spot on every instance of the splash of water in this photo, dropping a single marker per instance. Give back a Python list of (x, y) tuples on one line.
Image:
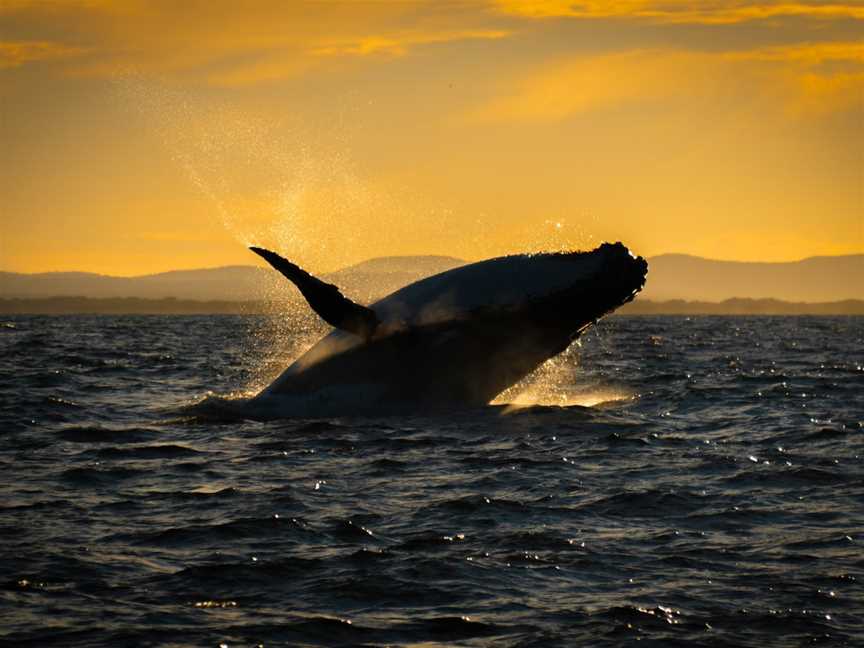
[(293, 186), (557, 235), (269, 182), (556, 383)]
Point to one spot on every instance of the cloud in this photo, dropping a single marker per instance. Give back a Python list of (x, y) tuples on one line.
[(17, 53), (799, 79), (817, 78), (682, 11), (230, 45), (810, 53), (563, 88), (398, 44), (274, 66)]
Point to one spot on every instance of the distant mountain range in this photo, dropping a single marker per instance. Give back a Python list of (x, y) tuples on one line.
[(230, 282), (670, 277), (816, 279), (172, 306), (363, 282)]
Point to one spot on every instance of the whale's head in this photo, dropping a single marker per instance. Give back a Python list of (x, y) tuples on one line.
[(551, 298), (619, 267), (567, 289), (596, 283)]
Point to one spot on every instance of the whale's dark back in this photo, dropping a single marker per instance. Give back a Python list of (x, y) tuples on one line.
[(450, 344)]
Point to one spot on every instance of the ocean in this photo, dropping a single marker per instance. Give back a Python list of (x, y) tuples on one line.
[(671, 481)]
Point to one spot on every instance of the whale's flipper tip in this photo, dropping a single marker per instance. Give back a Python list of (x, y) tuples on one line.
[(324, 298), (271, 257)]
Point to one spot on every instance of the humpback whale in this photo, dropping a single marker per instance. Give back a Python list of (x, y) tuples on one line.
[(456, 339)]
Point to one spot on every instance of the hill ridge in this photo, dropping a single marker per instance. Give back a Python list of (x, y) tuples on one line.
[(671, 276)]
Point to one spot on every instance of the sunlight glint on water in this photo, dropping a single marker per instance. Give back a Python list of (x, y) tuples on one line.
[(720, 504)]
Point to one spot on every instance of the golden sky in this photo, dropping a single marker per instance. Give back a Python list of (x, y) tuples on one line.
[(144, 136)]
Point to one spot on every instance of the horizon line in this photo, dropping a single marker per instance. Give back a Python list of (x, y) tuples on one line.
[(407, 256)]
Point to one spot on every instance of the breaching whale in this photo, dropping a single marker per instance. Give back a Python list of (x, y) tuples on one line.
[(453, 340)]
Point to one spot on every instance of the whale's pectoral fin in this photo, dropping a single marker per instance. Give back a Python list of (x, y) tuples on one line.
[(325, 299)]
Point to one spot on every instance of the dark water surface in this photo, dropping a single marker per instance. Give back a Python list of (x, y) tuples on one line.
[(718, 501)]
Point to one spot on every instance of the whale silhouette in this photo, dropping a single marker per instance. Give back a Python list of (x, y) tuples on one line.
[(453, 340)]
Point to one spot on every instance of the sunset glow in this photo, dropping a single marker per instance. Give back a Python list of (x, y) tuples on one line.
[(139, 137)]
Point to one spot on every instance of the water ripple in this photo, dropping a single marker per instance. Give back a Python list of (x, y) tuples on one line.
[(716, 500)]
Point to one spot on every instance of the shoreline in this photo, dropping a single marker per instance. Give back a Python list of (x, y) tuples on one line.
[(173, 306)]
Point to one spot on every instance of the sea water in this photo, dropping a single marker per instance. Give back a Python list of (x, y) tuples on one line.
[(711, 494)]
